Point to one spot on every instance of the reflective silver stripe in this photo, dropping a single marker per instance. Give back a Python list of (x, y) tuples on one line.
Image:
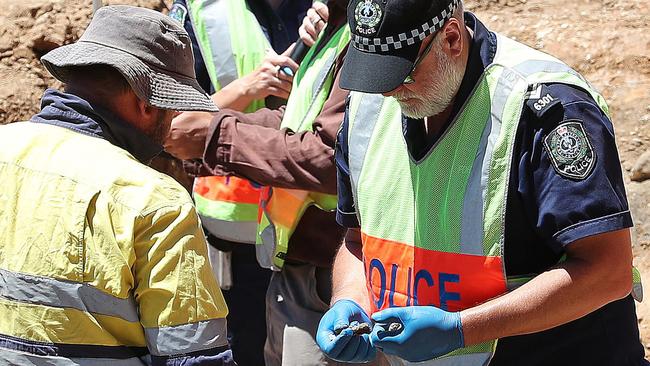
[(473, 359), (215, 18), (471, 230), (64, 294), (319, 83), (12, 357), (637, 291), (266, 251), (237, 231), (221, 263), (365, 119), (535, 66), (186, 338), (472, 236)]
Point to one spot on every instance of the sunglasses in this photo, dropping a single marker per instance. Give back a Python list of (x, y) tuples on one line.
[(409, 78)]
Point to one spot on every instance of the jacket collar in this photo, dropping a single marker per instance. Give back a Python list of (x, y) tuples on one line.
[(72, 112)]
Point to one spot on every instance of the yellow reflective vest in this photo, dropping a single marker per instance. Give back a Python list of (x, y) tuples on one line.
[(282, 208)]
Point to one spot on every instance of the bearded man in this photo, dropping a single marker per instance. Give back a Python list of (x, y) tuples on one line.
[(482, 191)]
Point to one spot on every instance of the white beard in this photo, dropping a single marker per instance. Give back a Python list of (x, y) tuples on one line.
[(440, 85)]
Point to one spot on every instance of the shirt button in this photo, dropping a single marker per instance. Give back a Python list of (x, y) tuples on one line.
[(280, 27)]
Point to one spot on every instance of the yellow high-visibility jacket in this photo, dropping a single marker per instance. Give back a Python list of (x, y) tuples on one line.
[(101, 257)]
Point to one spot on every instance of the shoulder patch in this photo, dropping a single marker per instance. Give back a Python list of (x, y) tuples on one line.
[(178, 12), (541, 100), (570, 151)]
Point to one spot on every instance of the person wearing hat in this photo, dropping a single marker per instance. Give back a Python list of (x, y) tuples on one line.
[(482, 191), (103, 259)]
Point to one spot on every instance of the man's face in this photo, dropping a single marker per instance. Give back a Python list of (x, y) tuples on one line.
[(437, 80)]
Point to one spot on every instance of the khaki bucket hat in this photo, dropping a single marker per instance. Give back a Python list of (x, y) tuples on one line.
[(151, 51)]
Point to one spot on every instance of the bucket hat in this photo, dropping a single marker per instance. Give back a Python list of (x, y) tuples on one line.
[(151, 51)]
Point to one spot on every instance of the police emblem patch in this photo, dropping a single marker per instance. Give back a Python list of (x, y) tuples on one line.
[(570, 150), (178, 12), (367, 14)]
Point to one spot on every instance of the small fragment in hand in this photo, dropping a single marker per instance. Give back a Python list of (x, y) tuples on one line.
[(361, 328), (395, 327), (356, 328)]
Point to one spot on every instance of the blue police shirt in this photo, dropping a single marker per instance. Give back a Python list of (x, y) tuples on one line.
[(279, 26), (546, 211)]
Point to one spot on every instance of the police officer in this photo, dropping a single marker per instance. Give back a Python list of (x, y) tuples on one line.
[(484, 200)]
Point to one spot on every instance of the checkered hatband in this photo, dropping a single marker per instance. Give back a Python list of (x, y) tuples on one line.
[(396, 42)]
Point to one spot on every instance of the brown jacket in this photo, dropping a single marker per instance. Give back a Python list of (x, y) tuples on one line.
[(252, 145)]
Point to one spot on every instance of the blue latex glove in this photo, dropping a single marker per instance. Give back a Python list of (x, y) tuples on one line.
[(426, 332), (345, 346)]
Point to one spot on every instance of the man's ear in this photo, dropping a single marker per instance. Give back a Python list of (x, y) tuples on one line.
[(453, 37), (146, 111)]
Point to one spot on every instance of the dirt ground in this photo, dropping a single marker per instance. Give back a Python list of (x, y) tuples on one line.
[(608, 41)]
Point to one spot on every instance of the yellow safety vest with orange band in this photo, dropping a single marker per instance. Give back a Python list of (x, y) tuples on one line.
[(232, 44), (283, 208), (433, 230)]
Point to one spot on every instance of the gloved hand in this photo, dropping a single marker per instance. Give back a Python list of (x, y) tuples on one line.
[(426, 332), (344, 346)]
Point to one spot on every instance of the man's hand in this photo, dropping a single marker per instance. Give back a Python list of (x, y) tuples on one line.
[(186, 139), (267, 80), (313, 23), (337, 340), (421, 332)]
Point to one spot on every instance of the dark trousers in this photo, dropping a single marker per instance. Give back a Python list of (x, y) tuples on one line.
[(246, 304)]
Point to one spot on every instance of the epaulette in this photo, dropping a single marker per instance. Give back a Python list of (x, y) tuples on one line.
[(541, 100)]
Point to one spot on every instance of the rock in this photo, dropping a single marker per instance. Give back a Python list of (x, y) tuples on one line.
[(7, 42), (40, 9), (24, 22), (23, 53), (49, 32), (627, 166), (641, 168), (357, 328)]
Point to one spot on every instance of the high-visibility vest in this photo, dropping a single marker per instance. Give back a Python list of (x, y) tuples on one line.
[(283, 208), (433, 230), (98, 266), (232, 44)]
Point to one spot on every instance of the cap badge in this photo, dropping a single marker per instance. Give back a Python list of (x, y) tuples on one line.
[(367, 15)]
